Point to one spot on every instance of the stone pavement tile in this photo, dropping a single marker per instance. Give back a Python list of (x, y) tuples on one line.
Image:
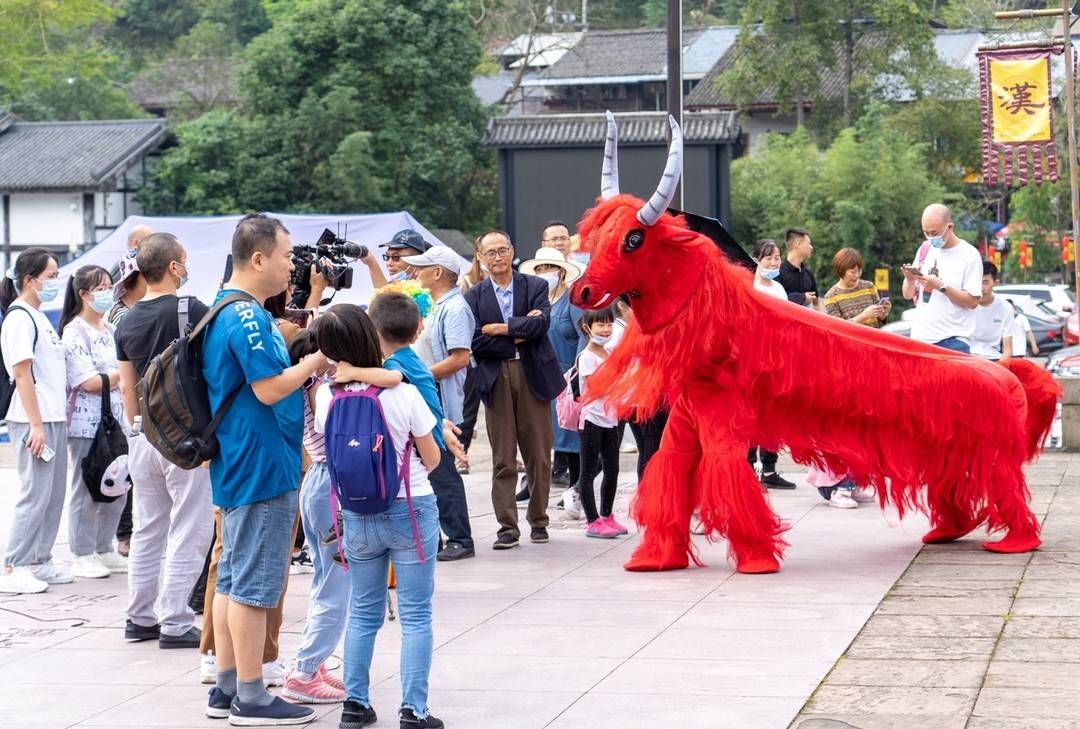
[(69, 667), (927, 574), (966, 674), (713, 678), (681, 585), (817, 569), (879, 721), (40, 704), (1022, 626), (945, 626), (549, 640), (1054, 571), (1024, 674), (920, 605), (1049, 588), (906, 647), (645, 711), (870, 701), (510, 673), (982, 722), (583, 614), (778, 589), (969, 557), (737, 645), (768, 616), (1051, 650), (1041, 703), (1047, 606)]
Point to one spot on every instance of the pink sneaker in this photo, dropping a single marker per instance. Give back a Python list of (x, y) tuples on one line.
[(610, 519), (313, 691), (600, 529), (330, 678)]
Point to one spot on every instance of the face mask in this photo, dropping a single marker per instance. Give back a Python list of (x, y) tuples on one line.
[(552, 279), (484, 268), (770, 273), (102, 301), (183, 279), (599, 340), (937, 241), (50, 289)]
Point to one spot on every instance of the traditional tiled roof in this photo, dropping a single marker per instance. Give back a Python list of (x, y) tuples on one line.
[(85, 155), (574, 130)]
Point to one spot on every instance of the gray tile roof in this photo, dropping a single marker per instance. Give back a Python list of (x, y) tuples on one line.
[(607, 53), (87, 155), (581, 130)]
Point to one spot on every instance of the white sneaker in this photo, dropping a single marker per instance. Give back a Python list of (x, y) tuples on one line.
[(21, 581), (572, 503), (207, 668), (864, 495), (696, 527), (87, 567), (841, 499), (53, 574), (274, 673), (114, 561)]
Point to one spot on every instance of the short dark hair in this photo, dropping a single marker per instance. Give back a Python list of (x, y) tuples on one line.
[(593, 316), (396, 317), (989, 269), (845, 260), (792, 235), (552, 224), (303, 344), (764, 247), (156, 252), (494, 231), (86, 278), (256, 232), (346, 334), (32, 262)]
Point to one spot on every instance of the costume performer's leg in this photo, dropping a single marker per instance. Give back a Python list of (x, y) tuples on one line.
[(1009, 509)]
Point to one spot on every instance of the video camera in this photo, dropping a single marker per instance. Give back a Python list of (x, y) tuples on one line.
[(332, 257)]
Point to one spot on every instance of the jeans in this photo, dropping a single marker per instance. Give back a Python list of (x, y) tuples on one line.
[(36, 519), (450, 496), (956, 344), (173, 520), (599, 446), (91, 524), (256, 541), (372, 543), (328, 604)]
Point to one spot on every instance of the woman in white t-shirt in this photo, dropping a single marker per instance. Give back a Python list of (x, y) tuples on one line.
[(767, 255), (375, 541), (90, 353), (34, 359)]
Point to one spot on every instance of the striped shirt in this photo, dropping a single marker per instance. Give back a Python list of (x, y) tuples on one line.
[(849, 303), (314, 441)]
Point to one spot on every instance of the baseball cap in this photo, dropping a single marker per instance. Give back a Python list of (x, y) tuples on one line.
[(407, 238), (128, 267), (436, 256)]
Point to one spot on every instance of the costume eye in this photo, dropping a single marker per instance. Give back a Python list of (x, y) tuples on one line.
[(633, 240)]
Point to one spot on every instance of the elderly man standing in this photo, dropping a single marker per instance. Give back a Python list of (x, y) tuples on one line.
[(517, 376), (945, 280)]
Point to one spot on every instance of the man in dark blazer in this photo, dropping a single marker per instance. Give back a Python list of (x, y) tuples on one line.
[(517, 375)]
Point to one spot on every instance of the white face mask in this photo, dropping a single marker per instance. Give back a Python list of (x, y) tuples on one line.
[(599, 340), (552, 278)]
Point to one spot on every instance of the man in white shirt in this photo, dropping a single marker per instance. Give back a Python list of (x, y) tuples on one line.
[(945, 280), (993, 337)]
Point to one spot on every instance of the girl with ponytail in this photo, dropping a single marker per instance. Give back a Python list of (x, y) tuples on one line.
[(37, 422)]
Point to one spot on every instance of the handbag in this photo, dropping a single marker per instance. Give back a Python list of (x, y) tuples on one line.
[(105, 467), (567, 406)]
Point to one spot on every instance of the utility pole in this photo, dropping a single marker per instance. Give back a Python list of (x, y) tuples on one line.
[(674, 74)]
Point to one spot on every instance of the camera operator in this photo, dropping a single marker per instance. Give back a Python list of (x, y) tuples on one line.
[(405, 243)]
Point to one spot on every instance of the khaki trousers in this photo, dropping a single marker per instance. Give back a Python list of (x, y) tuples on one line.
[(517, 419)]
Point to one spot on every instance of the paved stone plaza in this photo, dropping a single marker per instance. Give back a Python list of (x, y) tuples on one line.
[(862, 629)]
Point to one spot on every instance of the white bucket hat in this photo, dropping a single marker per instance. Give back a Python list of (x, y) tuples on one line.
[(552, 257)]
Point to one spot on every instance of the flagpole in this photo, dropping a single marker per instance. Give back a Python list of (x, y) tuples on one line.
[(1070, 116)]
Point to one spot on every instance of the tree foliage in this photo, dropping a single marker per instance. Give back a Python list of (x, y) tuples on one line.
[(381, 117)]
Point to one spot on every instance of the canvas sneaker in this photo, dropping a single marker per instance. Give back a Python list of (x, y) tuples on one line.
[(314, 690), (52, 574), (208, 668), (218, 703), (600, 529), (278, 712), (116, 562), (89, 567), (864, 495), (841, 499), (21, 581), (274, 673), (572, 503)]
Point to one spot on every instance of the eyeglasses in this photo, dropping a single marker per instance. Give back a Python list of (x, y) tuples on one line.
[(497, 253), (558, 239)]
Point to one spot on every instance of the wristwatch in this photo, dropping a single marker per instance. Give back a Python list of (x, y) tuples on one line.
[(943, 287)]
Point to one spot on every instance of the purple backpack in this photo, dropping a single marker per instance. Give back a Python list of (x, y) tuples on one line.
[(361, 457)]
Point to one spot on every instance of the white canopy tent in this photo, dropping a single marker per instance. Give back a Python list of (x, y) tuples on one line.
[(208, 241)]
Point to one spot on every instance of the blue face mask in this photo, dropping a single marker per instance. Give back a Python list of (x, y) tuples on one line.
[(937, 241), (102, 301), (50, 289), (769, 273)]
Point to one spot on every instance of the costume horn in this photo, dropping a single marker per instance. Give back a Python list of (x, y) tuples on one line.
[(609, 179), (651, 211)]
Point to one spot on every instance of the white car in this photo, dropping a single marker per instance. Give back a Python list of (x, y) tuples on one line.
[(1059, 297)]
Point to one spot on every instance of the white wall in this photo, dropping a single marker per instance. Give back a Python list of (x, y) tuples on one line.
[(758, 124), (47, 218)]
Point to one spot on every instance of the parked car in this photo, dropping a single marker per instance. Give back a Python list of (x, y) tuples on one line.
[(1060, 298), (1064, 362)]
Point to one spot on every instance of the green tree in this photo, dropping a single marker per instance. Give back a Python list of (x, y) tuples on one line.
[(379, 118), (52, 63)]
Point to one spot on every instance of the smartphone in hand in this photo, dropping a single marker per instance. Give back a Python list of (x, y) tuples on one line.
[(47, 453)]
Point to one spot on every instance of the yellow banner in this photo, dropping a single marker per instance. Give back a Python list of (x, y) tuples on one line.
[(1021, 100), (881, 279)]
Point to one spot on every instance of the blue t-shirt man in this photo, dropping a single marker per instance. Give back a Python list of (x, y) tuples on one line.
[(260, 444)]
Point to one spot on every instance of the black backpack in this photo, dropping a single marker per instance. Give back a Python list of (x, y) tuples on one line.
[(105, 466), (173, 398), (7, 384)]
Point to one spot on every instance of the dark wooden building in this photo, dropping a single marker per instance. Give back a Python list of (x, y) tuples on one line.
[(549, 165)]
